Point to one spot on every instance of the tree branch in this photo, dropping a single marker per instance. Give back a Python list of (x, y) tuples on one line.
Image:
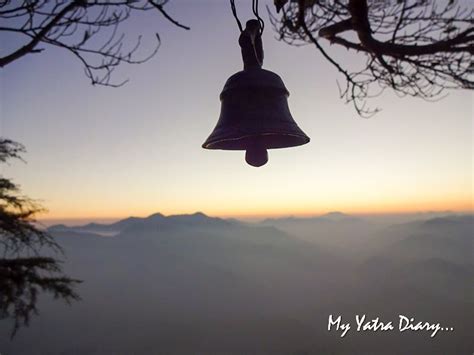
[(360, 23), (28, 48), (168, 17)]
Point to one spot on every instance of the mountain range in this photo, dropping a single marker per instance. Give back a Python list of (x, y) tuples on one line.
[(198, 284)]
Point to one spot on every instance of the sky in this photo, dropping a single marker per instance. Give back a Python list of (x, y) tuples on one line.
[(98, 152)]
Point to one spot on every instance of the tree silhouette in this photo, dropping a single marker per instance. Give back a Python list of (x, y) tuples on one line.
[(415, 47), (74, 26), (23, 271)]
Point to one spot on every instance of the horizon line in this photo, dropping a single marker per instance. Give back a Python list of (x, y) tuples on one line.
[(259, 215)]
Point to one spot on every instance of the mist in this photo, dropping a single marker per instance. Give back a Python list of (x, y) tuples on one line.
[(194, 284)]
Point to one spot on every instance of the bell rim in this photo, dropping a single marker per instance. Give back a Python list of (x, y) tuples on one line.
[(303, 137)]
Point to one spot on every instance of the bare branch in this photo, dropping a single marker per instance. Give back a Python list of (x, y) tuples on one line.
[(168, 17), (89, 29), (417, 48)]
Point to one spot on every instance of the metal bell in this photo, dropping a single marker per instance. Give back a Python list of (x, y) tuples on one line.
[(255, 116), (254, 111)]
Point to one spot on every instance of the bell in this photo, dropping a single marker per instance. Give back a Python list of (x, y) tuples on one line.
[(255, 116)]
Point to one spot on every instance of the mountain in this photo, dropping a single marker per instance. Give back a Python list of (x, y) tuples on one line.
[(196, 284), (454, 221), (451, 237), (333, 230), (328, 217), (153, 221), (428, 258), (337, 216)]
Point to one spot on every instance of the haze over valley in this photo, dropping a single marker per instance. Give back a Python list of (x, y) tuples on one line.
[(196, 284)]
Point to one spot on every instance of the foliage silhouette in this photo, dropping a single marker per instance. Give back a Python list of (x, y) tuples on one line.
[(74, 26), (23, 271), (416, 48)]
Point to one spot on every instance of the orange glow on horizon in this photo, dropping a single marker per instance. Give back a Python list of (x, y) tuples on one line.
[(395, 207)]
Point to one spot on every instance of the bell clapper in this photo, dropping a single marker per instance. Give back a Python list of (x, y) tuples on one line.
[(256, 155)]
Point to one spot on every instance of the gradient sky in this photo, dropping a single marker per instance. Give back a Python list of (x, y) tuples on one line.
[(96, 152)]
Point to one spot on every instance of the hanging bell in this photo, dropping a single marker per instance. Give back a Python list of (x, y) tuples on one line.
[(254, 113)]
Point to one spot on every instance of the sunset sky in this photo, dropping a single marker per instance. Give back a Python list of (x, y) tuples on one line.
[(98, 152)]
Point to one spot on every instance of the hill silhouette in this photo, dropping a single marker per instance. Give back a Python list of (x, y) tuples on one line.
[(197, 284)]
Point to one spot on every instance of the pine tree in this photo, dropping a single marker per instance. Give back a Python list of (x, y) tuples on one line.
[(24, 272)]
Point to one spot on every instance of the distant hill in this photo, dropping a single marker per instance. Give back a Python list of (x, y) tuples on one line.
[(194, 284), (155, 220), (337, 216), (333, 230), (328, 217), (456, 221), (450, 236), (430, 258)]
